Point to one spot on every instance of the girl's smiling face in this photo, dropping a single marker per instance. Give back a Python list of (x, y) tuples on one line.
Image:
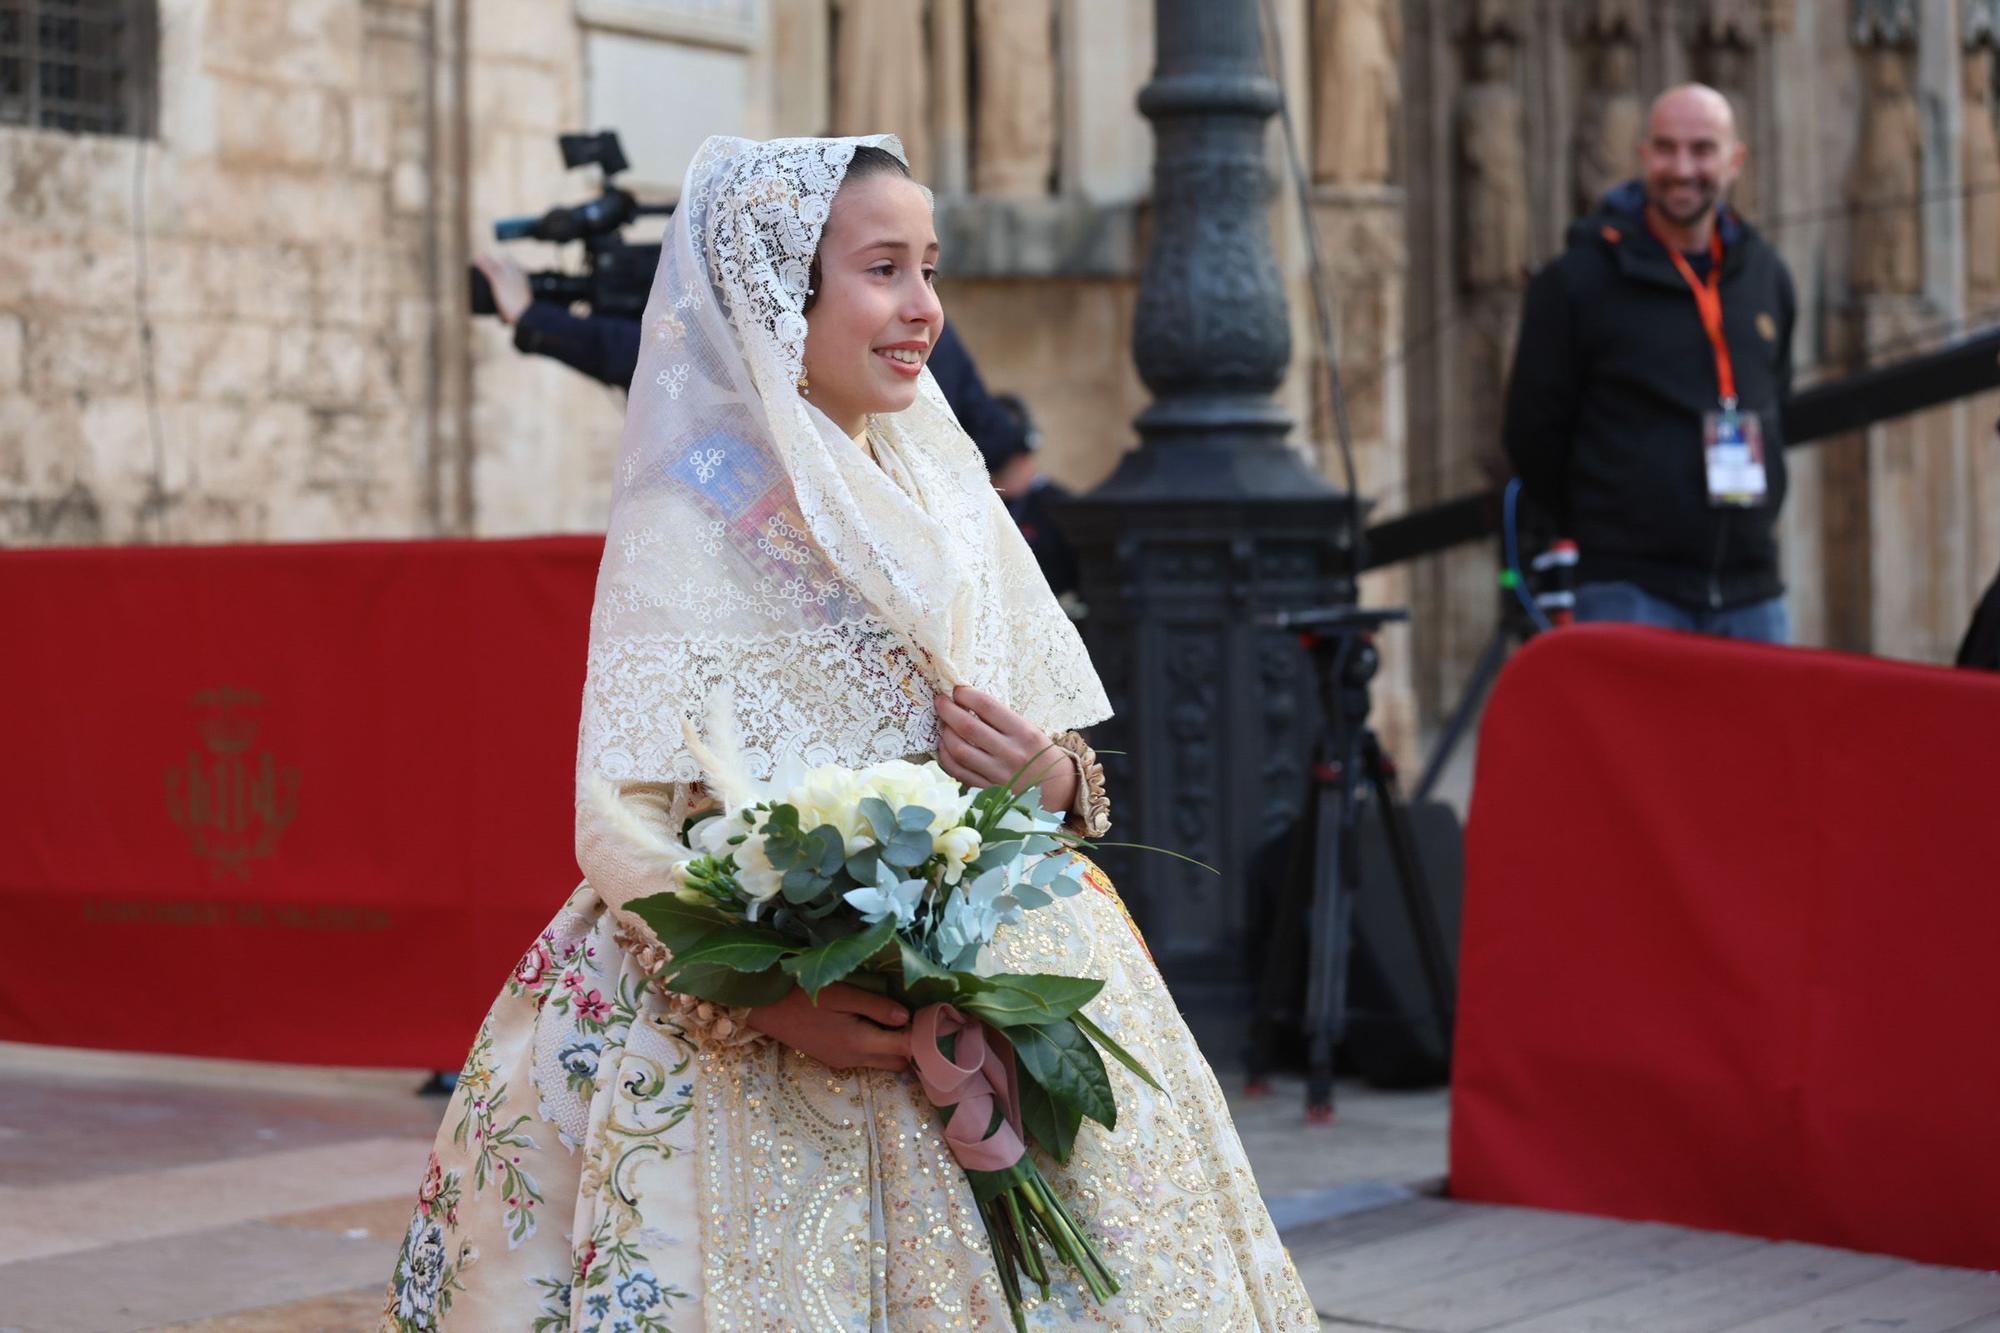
[(874, 315)]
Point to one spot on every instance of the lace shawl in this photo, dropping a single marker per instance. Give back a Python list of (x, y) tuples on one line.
[(753, 547)]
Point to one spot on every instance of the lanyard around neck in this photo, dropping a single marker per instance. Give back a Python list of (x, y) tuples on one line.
[(1708, 301)]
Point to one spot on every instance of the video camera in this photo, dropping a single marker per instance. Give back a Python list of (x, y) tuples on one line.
[(619, 274)]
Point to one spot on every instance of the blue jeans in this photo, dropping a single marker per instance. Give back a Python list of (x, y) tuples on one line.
[(1628, 603)]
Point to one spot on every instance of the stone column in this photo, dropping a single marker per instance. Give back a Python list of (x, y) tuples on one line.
[(1726, 57), (881, 74), (1358, 214), (1492, 248), (1014, 126), (951, 45), (1613, 114), (1979, 176), (1898, 571)]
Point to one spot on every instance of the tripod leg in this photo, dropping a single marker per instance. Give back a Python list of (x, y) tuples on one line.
[(1286, 955), (1333, 908), (1425, 924), (1483, 673)]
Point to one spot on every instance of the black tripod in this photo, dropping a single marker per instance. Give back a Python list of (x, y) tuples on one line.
[(1323, 875), (1553, 595)]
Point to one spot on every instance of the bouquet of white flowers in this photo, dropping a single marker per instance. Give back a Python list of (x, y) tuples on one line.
[(895, 877)]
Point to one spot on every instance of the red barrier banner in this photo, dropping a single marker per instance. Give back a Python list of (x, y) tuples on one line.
[(300, 803), (1729, 936)]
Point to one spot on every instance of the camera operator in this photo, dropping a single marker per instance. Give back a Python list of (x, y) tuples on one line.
[(602, 347)]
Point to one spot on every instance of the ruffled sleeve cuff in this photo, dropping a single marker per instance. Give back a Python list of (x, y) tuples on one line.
[(705, 1022), (1090, 811)]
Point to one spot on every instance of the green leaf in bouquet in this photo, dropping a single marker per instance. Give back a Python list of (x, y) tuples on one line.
[(832, 849), (818, 968), (1005, 1007), (1029, 898), (744, 948), (913, 817), (862, 865), (1115, 1051), (924, 981), (909, 849), (1063, 1061), (823, 910), (1050, 1123), (802, 885), (679, 925), (995, 854), (1048, 869), (881, 819), (725, 985), (1061, 996)]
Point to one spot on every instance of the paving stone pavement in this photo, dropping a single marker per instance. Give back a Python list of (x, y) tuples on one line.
[(145, 1192)]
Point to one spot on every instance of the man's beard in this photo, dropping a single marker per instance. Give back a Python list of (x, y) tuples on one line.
[(1707, 199)]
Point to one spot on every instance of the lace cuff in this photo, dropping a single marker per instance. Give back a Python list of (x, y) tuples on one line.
[(1090, 812), (707, 1023)]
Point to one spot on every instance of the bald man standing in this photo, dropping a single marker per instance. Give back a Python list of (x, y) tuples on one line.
[(1643, 409)]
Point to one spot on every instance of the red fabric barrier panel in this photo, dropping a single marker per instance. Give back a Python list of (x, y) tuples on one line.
[(303, 803), (1730, 942)]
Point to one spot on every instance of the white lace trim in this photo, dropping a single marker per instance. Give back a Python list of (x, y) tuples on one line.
[(641, 687)]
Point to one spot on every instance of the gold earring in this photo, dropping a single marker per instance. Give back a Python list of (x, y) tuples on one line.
[(805, 382)]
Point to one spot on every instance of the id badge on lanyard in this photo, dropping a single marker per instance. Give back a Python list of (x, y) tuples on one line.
[(1733, 447), (1732, 440)]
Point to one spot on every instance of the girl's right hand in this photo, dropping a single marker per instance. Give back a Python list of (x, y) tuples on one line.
[(849, 1028)]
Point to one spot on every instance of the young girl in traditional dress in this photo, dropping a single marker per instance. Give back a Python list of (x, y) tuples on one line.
[(799, 522)]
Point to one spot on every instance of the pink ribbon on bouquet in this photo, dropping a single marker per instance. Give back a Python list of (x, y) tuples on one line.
[(978, 1074)]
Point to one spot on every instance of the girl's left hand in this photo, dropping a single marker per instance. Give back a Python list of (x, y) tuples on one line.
[(983, 743)]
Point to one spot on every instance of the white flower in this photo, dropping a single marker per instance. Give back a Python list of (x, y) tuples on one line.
[(755, 875), (711, 836), (958, 846), (832, 795), (901, 783)]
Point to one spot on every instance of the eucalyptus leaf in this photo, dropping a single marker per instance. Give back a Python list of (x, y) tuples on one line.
[(832, 849), (1064, 1062), (1029, 898), (1049, 868), (800, 886), (913, 817), (861, 866), (819, 968), (881, 819), (908, 849)]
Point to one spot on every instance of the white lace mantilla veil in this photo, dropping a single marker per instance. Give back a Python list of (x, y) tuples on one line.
[(753, 546)]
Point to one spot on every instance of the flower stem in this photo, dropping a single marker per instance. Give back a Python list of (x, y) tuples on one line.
[(1031, 1253)]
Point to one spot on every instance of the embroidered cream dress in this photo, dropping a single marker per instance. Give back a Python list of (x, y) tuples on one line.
[(617, 1159), (605, 1165)]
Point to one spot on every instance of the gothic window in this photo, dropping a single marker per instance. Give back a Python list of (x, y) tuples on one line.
[(87, 66)]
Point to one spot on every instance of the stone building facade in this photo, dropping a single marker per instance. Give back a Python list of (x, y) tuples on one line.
[(246, 320)]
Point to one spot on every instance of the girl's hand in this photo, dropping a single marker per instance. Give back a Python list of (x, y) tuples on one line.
[(983, 743), (849, 1028)]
